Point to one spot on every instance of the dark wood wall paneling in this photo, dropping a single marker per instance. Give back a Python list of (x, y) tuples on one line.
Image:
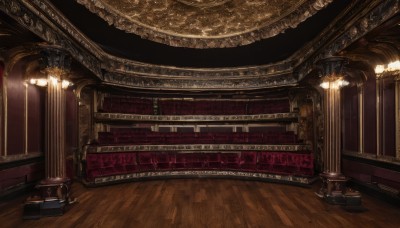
[(351, 118), (370, 116), (20, 175), (369, 172), (15, 109), (36, 119), (2, 67), (389, 116), (17, 175), (71, 141)]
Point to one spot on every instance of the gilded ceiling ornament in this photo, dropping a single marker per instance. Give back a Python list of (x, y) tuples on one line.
[(205, 23)]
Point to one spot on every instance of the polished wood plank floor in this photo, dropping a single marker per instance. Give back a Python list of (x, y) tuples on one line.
[(204, 203)]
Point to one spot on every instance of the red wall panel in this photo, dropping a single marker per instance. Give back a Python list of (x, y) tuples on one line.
[(350, 116), (71, 137), (389, 112), (15, 110), (36, 119), (370, 116)]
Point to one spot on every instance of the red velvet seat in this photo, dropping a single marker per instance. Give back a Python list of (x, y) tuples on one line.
[(164, 160), (248, 161), (130, 162), (180, 160), (265, 161), (195, 160), (280, 163), (213, 161), (93, 166), (307, 164), (230, 161), (146, 161)]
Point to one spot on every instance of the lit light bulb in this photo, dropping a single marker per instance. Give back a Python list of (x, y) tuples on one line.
[(65, 84), (341, 82), (325, 85), (41, 82), (393, 66), (32, 81), (379, 69)]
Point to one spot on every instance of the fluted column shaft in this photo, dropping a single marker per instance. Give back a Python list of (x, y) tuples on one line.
[(55, 126), (332, 130)]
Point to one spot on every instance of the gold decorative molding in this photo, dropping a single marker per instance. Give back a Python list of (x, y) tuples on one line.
[(203, 173), (200, 147), (195, 118), (19, 157), (205, 24), (199, 84), (43, 19)]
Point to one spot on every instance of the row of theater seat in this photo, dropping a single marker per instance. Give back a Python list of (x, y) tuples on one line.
[(137, 137), (107, 164), (168, 107), (182, 107), (128, 105)]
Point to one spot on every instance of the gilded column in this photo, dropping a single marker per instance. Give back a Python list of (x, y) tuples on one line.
[(360, 118), (332, 131), (397, 115), (333, 181), (55, 129), (56, 185)]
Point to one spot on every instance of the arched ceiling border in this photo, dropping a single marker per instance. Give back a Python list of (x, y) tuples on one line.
[(35, 15), (291, 20)]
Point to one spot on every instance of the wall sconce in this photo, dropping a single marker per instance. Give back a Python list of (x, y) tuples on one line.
[(333, 83), (391, 67), (42, 82)]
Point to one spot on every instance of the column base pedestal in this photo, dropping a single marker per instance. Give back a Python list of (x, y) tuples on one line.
[(334, 190), (51, 199)]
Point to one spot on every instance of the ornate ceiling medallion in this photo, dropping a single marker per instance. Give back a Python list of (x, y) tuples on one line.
[(205, 23)]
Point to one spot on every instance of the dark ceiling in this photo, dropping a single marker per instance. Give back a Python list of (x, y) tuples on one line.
[(130, 46)]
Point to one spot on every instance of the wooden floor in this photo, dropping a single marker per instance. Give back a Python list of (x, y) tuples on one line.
[(204, 203)]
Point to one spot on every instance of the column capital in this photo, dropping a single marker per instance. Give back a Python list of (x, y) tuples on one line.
[(55, 61), (332, 72)]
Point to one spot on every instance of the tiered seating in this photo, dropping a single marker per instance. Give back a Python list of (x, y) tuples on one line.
[(133, 105), (145, 136), (128, 105), (282, 162), (108, 164), (273, 106), (174, 107)]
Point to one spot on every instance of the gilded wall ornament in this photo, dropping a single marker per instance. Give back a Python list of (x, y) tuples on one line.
[(205, 23)]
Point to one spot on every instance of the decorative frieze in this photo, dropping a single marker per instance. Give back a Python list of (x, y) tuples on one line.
[(126, 66), (203, 173), (134, 81), (195, 118), (206, 148), (40, 17)]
